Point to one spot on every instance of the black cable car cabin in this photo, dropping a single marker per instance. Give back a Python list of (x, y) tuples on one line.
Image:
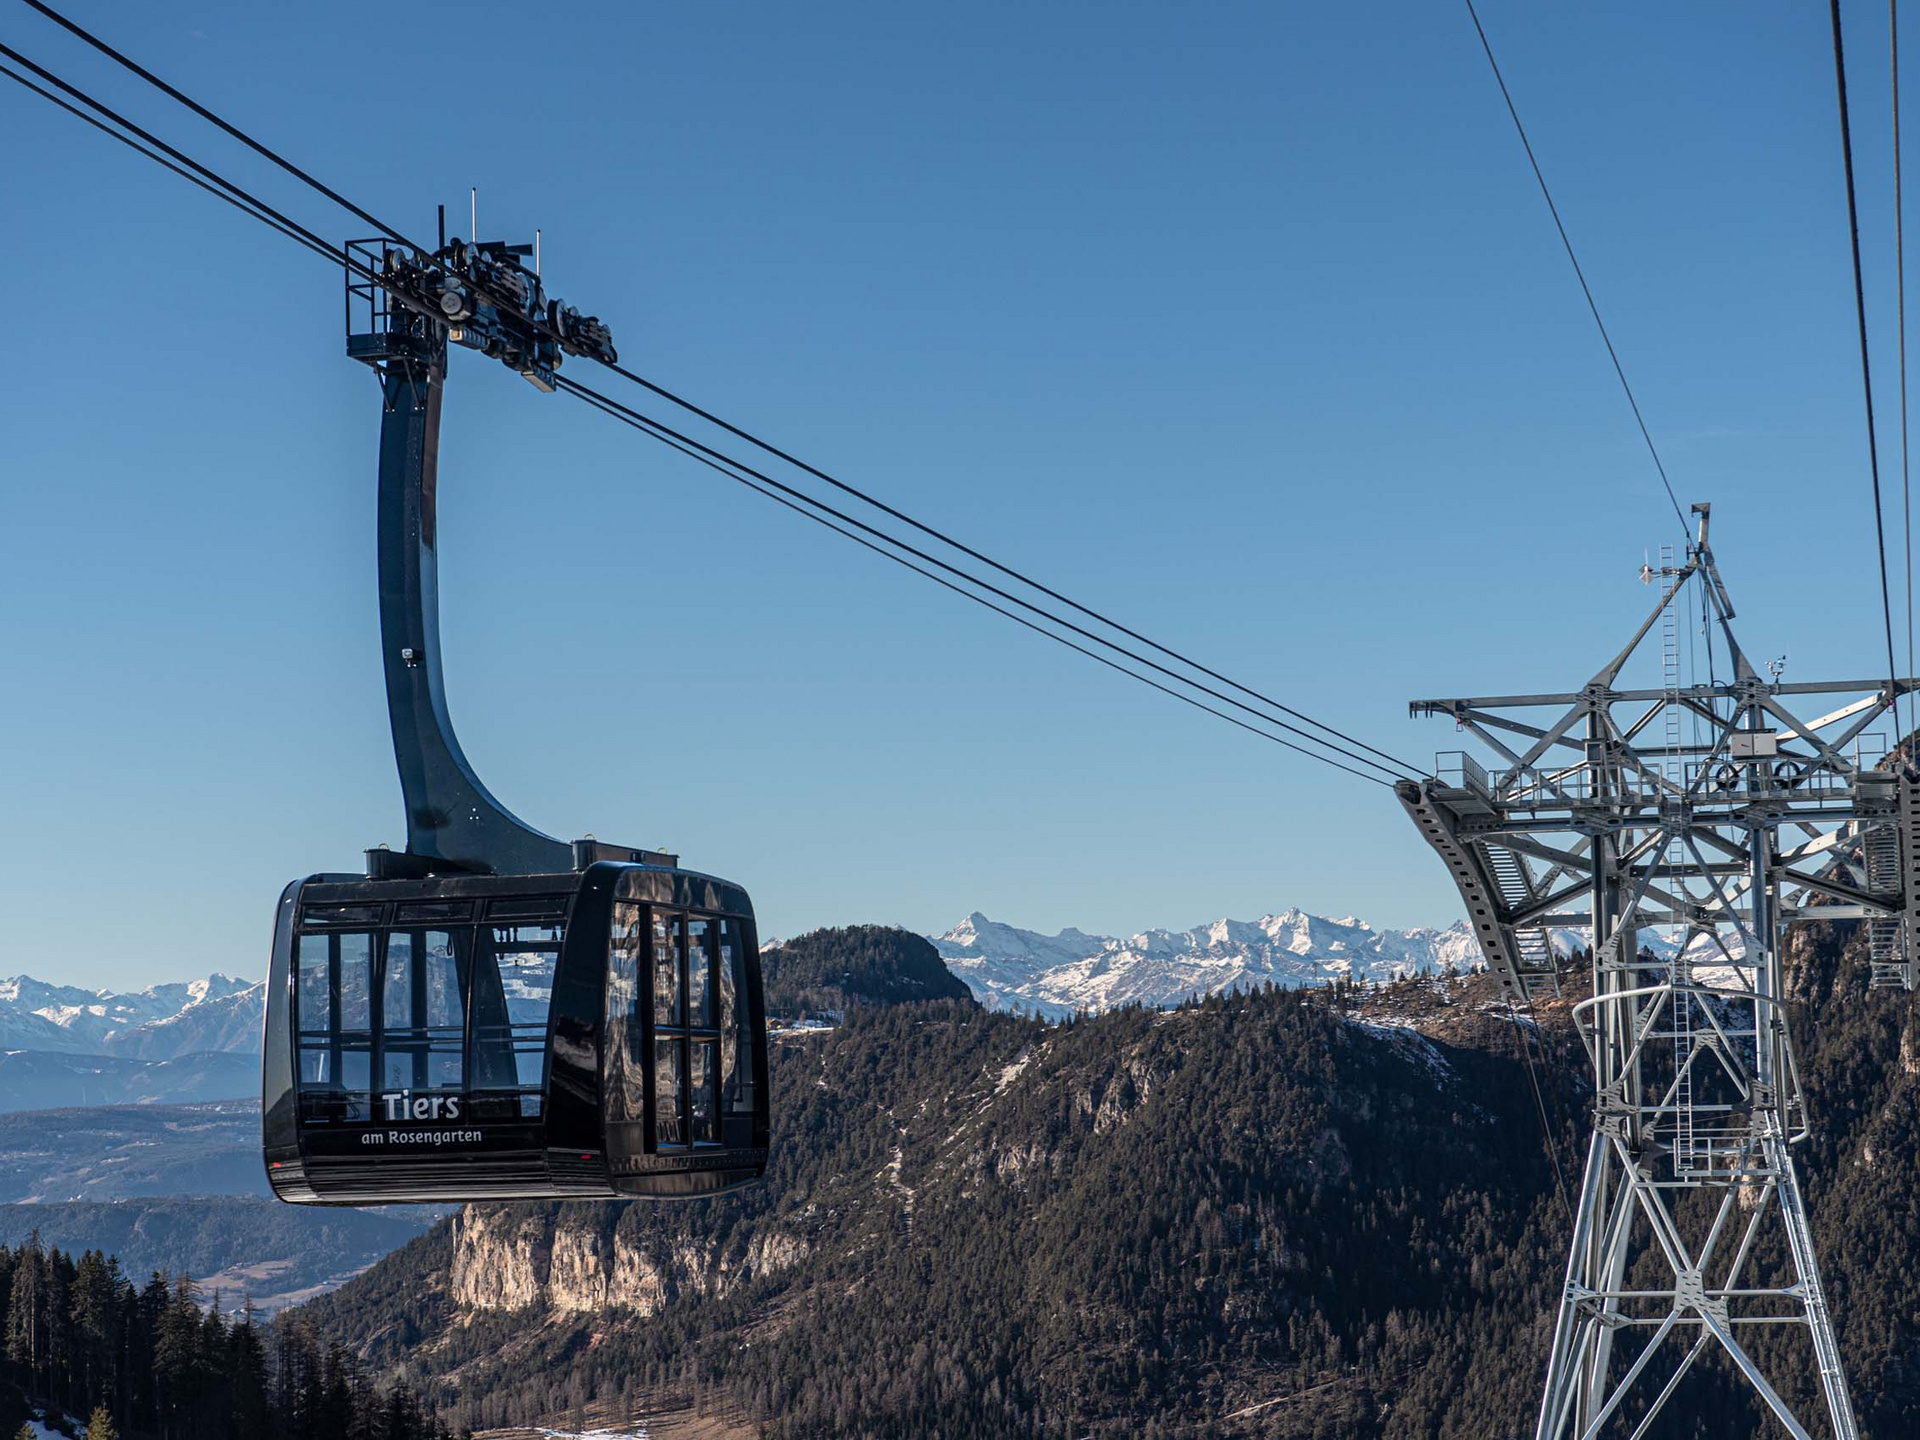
[(492, 1013), (596, 1033)]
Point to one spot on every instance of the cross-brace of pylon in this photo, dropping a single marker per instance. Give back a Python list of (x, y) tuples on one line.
[(1709, 815)]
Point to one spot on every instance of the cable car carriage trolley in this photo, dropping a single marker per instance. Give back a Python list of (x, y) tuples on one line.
[(492, 1013)]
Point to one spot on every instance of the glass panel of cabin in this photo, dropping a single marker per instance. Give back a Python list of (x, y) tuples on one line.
[(446, 956), (512, 999), (403, 1055), (667, 1068), (354, 988), (356, 1075), (422, 1010), (736, 1021), (316, 1066), (702, 1116), (626, 1082), (728, 990), (699, 973), (314, 985), (333, 988), (668, 999)]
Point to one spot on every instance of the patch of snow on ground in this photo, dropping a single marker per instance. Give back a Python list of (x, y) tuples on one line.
[(1406, 1035)]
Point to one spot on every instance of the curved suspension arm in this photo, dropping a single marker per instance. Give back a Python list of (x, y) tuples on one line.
[(452, 819)]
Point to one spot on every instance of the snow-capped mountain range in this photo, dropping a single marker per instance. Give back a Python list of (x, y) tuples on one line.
[(1055, 975), (160, 1022)]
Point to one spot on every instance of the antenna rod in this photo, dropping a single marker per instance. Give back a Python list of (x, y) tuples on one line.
[(536, 253), (443, 227), (473, 214)]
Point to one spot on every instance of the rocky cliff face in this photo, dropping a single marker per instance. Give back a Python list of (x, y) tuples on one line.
[(571, 1260)]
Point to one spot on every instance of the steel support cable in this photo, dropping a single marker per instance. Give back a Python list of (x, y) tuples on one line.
[(1540, 1104), (1866, 364), (1900, 285), (214, 184), (614, 411), (233, 194), (691, 408), (1579, 274), (1566, 242), (250, 205), (204, 113), (687, 444), (768, 447), (185, 174)]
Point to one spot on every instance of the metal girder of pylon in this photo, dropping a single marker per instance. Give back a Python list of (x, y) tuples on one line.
[(1679, 827)]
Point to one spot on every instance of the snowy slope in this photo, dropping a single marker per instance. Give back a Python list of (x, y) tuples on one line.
[(159, 1022), (225, 1023)]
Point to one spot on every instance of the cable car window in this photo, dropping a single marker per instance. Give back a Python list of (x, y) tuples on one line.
[(699, 973), (356, 1074), (313, 1002), (512, 997), (626, 1063), (333, 990), (423, 1009), (726, 953), (736, 1040), (403, 1058), (703, 1123), (355, 985), (667, 1129), (315, 986), (667, 964)]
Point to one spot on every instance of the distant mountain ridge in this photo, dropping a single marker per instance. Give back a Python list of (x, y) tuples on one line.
[(1055, 975), (161, 1022)]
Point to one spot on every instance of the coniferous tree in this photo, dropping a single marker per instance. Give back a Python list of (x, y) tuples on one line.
[(154, 1364)]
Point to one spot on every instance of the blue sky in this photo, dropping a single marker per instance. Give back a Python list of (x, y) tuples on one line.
[(1241, 322)]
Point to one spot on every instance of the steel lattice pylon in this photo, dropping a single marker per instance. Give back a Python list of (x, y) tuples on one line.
[(1680, 827)]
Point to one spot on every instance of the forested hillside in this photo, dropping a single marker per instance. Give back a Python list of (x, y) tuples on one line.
[(245, 1248), (79, 1336), (1286, 1214), (832, 970)]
